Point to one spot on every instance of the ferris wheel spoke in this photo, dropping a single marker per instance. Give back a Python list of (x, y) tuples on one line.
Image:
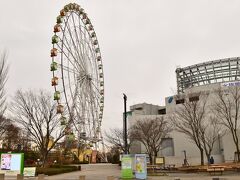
[(83, 41), (82, 47), (78, 39), (92, 99), (74, 45), (74, 62), (67, 68), (97, 93), (68, 58), (68, 47), (71, 92)]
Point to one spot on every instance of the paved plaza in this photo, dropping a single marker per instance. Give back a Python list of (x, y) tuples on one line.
[(101, 171)]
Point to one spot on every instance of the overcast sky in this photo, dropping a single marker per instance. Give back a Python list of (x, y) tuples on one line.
[(142, 42)]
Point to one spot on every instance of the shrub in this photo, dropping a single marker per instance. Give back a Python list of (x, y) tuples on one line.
[(56, 169)]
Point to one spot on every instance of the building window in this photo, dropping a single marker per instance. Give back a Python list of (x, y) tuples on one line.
[(162, 111), (180, 101), (194, 98)]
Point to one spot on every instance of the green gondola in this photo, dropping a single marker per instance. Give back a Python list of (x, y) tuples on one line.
[(59, 19), (54, 66), (66, 8), (55, 39), (57, 95)]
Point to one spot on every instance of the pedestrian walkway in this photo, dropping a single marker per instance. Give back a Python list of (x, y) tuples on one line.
[(91, 171), (102, 171)]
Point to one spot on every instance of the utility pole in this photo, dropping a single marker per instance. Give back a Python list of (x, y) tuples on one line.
[(125, 123)]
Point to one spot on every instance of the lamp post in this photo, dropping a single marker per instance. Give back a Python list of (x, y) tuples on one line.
[(185, 162), (125, 123)]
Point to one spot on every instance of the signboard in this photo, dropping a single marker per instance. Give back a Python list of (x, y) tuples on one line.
[(127, 172), (159, 160), (11, 163), (229, 84), (29, 171), (141, 166)]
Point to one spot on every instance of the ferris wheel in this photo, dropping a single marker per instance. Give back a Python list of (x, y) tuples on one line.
[(77, 71)]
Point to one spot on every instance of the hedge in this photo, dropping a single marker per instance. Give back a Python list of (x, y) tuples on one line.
[(56, 169)]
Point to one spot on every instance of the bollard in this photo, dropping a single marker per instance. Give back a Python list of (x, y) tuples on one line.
[(2, 176), (215, 178), (110, 178), (82, 177), (20, 177), (177, 178), (41, 177)]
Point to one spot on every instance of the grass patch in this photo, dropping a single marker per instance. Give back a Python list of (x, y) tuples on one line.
[(57, 169)]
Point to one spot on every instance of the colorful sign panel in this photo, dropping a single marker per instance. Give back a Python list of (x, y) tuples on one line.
[(127, 172), (11, 163), (141, 166), (29, 171)]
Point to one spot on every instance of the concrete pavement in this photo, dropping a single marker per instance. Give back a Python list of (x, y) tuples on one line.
[(92, 172), (101, 171)]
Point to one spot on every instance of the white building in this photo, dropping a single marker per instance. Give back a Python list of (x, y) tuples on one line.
[(204, 77)]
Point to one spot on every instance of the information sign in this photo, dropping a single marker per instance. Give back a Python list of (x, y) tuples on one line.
[(11, 163), (141, 166), (159, 160), (29, 171), (127, 172)]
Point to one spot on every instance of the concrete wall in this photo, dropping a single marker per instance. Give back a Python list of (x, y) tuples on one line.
[(145, 109), (229, 147), (182, 143)]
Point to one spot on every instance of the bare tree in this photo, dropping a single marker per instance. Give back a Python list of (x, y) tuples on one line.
[(115, 138), (3, 124), (188, 119), (36, 114), (227, 109), (211, 131), (194, 119), (150, 132), (12, 137), (3, 79)]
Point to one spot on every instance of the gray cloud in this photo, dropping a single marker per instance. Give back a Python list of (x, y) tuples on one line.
[(141, 42)]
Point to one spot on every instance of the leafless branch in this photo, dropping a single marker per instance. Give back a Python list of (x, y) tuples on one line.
[(227, 109), (150, 132), (36, 114)]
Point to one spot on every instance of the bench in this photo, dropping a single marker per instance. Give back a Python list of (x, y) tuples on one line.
[(189, 169), (215, 169), (237, 168), (170, 167), (152, 168)]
